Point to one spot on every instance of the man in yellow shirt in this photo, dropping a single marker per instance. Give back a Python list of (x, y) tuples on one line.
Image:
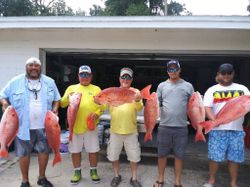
[(81, 134), (124, 132)]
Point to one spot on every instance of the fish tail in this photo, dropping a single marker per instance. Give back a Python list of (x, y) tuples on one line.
[(208, 125), (57, 158), (145, 92), (147, 137), (4, 153), (200, 137)]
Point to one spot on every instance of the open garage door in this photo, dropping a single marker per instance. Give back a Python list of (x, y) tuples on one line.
[(198, 69)]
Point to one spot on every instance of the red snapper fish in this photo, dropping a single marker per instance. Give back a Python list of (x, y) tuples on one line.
[(8, 130), (53, 130), (232, 110), (151, 114), (116, 96), (196, 114), (74, 102)]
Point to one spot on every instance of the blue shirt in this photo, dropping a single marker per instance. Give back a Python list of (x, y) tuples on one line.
[(17, 93)]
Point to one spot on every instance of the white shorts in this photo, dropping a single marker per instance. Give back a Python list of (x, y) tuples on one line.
[(130, 143), (89, 140)]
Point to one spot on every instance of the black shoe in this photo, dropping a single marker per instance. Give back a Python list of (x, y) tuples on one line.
[(44, 182), (25, 184), (135, 183), (116, 181)]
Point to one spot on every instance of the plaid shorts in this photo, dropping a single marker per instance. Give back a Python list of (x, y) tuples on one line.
[(38, 142), (226, 144)]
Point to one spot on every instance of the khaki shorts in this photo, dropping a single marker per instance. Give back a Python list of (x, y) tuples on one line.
[(89, 140), (130, 143)]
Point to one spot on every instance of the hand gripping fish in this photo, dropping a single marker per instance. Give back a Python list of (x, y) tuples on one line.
[(8, 130), (196, 114), (53, 130), (116, 96), (74, 102), (232, 110), (151, 114)]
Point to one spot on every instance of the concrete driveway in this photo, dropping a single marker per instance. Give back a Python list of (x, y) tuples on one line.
[(194, 173)]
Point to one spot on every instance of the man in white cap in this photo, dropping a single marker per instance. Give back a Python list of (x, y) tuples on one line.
[(32, 95), (81, 134), (123, 132)]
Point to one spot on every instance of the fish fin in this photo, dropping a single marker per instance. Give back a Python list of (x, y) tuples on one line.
[(4, 153), (200, 137), (208, 125), (57, 158), (145, 92), (90, 123), (147, 137)]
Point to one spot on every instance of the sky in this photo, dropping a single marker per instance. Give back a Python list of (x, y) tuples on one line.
[(197, 7)]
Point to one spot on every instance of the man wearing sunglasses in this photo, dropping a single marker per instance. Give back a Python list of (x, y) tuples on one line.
[(32, 95), (173, 95), (226, 142), (81, 134), (123, 131)]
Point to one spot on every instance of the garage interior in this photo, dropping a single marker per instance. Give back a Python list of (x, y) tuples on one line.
[(198, 69)]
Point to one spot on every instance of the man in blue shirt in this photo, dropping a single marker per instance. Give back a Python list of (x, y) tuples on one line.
[(32, 95)]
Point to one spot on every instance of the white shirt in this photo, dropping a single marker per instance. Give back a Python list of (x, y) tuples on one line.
[(35, 107), (217, 96)]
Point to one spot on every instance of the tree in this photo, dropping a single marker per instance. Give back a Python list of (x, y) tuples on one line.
[(15, 8), (142, 7), (34, 8), (96, 11)]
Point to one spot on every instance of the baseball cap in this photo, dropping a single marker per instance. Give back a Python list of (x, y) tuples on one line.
[(226, 68), (32, 60), (173, 62), (126, 71), (84, 69)]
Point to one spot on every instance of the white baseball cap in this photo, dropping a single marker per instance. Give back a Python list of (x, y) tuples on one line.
[(84, 69), (126, 71), (32, 60)]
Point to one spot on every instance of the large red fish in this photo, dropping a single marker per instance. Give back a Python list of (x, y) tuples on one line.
[(232, 110), (53, 130), (151, 114), (196, 114), (116, 96), (8, 130), (74, 102)]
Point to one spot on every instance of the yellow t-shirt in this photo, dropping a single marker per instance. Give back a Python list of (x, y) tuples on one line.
[(86, 106), (123, 117)]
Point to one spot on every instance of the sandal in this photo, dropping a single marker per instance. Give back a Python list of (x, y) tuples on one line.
[(158, 184), (177, 185)]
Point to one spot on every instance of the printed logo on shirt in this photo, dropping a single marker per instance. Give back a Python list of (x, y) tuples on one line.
[(222, 96)]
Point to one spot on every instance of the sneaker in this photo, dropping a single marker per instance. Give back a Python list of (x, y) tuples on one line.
[(94, 176), (135, 183), (25, 184), (44, 182), (116, 181), (76, 177)]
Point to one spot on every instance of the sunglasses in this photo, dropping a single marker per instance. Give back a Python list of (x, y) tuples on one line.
[(226, 72), (172, 70), (84, 75), (126, 77)]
